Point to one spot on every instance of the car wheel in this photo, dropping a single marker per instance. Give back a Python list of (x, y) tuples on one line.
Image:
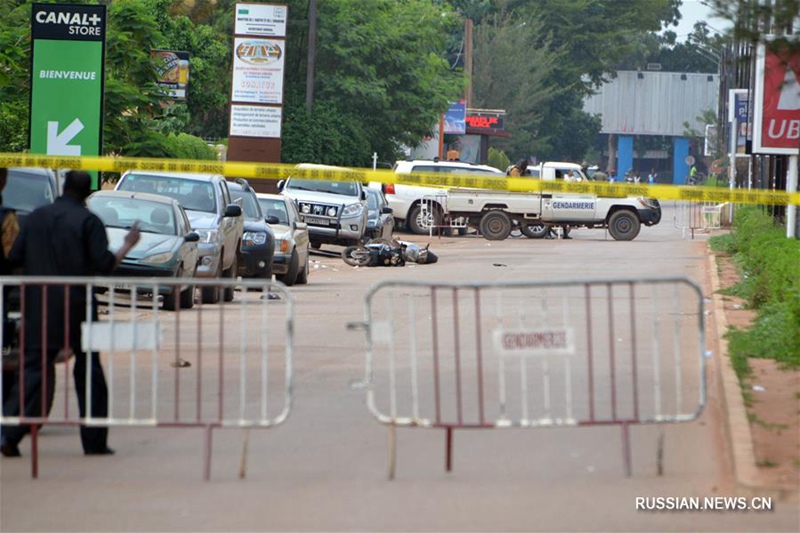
[(302, 276), (228, 292), (187, 298), (290, 277), (211, 293), (415, 221), (316, 245), (536, 230), (623, 225), (495, 225), (171, 300)]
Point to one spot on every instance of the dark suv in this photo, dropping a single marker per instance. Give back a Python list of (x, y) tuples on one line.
[(258, 242)]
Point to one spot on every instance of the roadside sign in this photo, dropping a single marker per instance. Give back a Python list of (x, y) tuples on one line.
[(776, 122), (68, 48)]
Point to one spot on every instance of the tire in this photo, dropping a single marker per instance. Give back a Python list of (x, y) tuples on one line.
[(462, 231), (302, 276), (495, 225), (431, 258), (623, 225), (211, 293), (316, 245), (537, 230), (356, 256), (229, 292), (171, 300), (290, 277), (187, 298), (414, 221)]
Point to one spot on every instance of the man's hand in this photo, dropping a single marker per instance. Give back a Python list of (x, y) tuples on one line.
[(132, 237)]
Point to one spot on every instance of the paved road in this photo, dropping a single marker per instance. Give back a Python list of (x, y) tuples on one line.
[(325, 469)]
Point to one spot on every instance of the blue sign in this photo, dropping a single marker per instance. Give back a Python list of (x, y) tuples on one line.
[(455, 120)]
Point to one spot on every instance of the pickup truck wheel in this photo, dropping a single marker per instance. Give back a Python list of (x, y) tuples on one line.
[(496, 225), (624, 226), (228, 292), (211, 293), (536, 230), (416, 224)]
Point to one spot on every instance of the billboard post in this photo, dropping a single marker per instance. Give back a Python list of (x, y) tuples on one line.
[(68, 49), (776, 126), (256, 101)]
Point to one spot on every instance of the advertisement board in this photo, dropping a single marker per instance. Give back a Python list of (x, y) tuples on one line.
[(68, 47), (258, 71), (265, 20), (172, 69), (455, 120), (776, 121), (255, 121)]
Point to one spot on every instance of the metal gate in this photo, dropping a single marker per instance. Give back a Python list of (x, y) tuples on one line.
[(226, 365), (435, 216), (499, 355), (694, 216)]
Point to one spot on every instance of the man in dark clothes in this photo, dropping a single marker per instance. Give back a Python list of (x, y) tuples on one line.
[(61, 239)]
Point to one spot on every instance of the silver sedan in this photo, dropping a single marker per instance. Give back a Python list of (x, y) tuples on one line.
[(290, 262)]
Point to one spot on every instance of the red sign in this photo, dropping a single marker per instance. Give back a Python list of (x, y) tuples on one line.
[(485, 122), (777, 113)]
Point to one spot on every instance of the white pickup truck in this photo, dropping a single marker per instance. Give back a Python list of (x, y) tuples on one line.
[(406, 201), (497, 213)]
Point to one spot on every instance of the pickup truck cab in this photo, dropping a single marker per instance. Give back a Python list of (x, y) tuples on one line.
[(335, 211), (212, 213), (406, 200), (496, 213)]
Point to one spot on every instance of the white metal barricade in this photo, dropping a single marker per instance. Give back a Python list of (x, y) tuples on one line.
[(498, 355), (697, 216), (227, 365), (434, 214)]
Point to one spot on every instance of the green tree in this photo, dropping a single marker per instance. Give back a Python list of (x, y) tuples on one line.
[(510, 73), (383, 62)]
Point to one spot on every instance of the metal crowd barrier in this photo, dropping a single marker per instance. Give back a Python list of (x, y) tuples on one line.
[(227, 365), (549, 354), (435, 216), (697, 216)]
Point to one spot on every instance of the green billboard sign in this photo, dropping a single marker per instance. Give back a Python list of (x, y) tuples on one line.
[(67, 79)]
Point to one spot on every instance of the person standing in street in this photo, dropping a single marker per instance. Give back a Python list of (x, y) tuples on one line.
[(61, 239)]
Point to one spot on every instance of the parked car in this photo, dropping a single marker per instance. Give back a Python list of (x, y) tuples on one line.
[(335, 211), (258, 242), (212, 213), (167, 247), (29, 188), (380, 221), (290, 263)]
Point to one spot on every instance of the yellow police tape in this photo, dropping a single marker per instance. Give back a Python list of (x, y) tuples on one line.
[(280, 171)]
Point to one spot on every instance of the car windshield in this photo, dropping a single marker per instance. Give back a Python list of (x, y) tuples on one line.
[(153, 217), (25, 191), (345, 188), (273, 207), (193, 195), (249, 203)]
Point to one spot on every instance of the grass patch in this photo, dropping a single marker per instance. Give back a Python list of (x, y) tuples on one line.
[(754, 419), (767, 262), (766, 463)]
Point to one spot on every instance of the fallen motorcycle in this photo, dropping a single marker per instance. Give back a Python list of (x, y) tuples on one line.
[(383, 252)]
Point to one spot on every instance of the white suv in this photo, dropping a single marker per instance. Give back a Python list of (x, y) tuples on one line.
[(406, 200)]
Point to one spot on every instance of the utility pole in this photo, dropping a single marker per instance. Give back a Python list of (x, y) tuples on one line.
[(468, 26), (312, 53)]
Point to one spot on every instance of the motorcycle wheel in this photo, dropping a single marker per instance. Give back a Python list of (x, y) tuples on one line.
[(356, 255), (431, 258)]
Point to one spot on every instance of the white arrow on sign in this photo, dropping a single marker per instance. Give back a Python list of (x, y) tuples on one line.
[(58, 143)]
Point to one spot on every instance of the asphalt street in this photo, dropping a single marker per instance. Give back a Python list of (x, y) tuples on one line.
[(325, 469)]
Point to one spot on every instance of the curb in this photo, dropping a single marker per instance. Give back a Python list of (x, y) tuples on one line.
[(737, 425)]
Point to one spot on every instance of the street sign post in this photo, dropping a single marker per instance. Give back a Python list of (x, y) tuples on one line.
[(68, 52)]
